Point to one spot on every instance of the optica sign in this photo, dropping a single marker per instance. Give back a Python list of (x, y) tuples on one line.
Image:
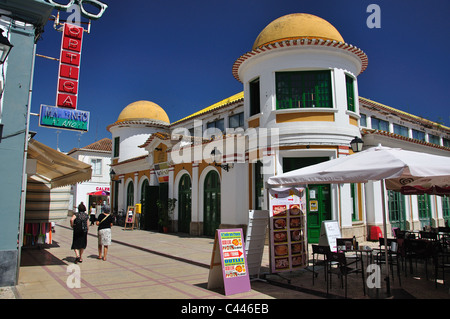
[(69, 66)]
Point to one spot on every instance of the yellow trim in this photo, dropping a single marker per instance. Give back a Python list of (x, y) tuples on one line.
[(353, 121), (405, 113), (224, 102), (360, 202), (304, 117), (254, 123)]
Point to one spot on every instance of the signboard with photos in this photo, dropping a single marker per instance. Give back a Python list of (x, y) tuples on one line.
[(288, 242)]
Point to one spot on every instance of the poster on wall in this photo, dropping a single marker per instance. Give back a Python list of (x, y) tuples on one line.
[(288, 242)]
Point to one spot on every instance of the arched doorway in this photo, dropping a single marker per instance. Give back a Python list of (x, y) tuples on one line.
[(149, 215), (211, 203), (184, 204), (130, 194)]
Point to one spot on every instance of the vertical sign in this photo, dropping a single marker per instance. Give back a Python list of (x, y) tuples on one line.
[(69, 66), (256, 236), (288, 242), (234, 276)]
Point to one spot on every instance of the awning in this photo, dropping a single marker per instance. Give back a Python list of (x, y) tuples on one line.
[(57, 168), (99, 193)]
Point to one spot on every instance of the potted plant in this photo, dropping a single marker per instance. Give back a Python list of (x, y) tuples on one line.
[(165, 212)]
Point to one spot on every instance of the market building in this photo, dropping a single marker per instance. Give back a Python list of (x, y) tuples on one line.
[(300, 105)]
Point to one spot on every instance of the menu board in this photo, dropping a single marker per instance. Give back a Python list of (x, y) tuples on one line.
[(229, 245), (288, 229), (329, 231)]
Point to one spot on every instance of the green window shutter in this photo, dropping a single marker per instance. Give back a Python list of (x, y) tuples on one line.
[(303, 89), (350, 93)]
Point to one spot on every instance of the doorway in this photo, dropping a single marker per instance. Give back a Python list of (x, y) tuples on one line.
[(318, 202), (211, 204), (318, 197), (184, 204), (397, 212), (149, 215), (424, 205)]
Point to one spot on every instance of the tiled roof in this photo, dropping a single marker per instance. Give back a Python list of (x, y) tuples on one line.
[(103, 145), (403, 138), (422, 121)]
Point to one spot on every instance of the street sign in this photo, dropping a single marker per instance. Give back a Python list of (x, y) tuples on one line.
[(64, 118)]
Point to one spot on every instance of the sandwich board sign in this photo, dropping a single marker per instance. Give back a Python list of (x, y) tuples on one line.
[(228, 268), (328, 233)]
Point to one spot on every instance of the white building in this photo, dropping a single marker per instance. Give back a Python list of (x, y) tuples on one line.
[(300, 105), (98, 155)]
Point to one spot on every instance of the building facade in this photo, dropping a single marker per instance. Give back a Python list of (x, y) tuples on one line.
[(300, 105), (97, 189), (22, 23)]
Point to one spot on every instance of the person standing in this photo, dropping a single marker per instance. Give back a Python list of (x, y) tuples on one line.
[(79, 223), (92, 214), (104, 223)]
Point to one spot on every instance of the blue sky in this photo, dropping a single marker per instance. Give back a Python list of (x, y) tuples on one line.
[(179, 54)]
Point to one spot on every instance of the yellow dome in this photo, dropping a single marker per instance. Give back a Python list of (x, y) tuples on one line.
[(297, 25), (143, 110)]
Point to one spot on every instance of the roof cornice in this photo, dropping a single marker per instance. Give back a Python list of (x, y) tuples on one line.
[(301, 42)]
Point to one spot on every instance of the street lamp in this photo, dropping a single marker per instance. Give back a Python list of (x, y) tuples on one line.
[(5, 48), (216, 156), (357, 144)]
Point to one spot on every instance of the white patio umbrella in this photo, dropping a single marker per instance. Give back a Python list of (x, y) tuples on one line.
[(405, 171)]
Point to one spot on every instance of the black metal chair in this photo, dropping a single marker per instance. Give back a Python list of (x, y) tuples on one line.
[(393, 255), (441, 259), (346, 244), (337, 264), (323, 251), (428, 235), (419, 249)]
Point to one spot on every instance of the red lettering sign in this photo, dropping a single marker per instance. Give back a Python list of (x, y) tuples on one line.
[(68, 71), (70, 58), (67, 100), (72, 44), (69, 63), (68, 86), (73, 31)]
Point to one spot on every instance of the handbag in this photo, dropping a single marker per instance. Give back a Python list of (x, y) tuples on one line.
[(103, 219)]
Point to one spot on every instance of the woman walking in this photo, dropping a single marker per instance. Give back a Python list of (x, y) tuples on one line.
[(104, 223), (79, 223)]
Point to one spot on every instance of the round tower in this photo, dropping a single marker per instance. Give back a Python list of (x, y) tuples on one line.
[(301, 77), (133, 127)]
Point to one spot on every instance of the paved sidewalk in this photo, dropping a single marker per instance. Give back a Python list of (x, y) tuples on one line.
[(151, 265), (141, 264)]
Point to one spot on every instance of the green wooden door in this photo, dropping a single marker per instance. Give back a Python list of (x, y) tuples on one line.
[(318, 202), (397, 213), (318, 197), (424, 204), (211, 204), (184, 204), (446, 209)]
